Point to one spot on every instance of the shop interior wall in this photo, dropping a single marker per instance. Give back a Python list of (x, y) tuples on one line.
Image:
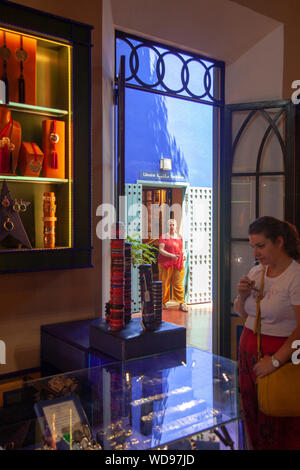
[(288, 13), (257, 75), (29, 300), (107, 173)]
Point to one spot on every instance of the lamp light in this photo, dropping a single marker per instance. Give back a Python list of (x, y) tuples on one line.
[(166, 164)]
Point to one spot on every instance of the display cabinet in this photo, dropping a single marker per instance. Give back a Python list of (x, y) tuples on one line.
[(187, 399), (45, 141)]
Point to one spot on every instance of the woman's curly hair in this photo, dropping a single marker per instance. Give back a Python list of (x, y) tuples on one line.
[(273, 228)]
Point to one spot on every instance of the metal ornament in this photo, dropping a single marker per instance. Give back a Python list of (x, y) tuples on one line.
[(35, 165), (16, 206), (5, 202), (5, 53), (8, 225), (21, 56), (54, 137), (23, 206)]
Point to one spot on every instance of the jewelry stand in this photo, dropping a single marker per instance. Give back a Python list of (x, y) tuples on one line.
[(10, 220)]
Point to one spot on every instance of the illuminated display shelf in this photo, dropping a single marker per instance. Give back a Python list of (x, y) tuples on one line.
[(43, 111), (27, 179)]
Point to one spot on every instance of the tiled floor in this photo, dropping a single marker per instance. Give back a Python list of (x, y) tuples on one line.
[(197, 321)]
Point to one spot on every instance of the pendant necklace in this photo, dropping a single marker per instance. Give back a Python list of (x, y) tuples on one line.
[(5, 55), (6, 148), (21, 56)]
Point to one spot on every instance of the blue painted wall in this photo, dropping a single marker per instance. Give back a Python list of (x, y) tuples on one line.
[(158, 126)]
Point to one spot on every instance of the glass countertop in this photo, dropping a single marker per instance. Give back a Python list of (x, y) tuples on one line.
[(136, 405)]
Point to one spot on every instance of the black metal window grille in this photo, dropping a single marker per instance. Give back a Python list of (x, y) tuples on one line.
[(274, 119), (258, 172), (198, 78)]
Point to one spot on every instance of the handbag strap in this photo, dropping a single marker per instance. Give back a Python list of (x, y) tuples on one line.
[(257, 325)]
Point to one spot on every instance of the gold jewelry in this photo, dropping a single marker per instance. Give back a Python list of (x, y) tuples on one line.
[(5, 202), (8, 225), (54, 137), (16, 206), (23, 206)]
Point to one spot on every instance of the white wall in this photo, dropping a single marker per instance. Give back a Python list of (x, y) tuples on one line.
[(258, 74), (108, 47)]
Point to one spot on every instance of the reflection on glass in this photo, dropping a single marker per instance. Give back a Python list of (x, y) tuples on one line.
[(272, 196), (242, 205), (242, 260)]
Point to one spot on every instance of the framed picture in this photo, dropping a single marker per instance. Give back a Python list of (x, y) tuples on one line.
[(61, 420)]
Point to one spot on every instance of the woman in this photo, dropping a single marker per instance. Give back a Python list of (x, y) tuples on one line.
[(276, 246), (170, 266)]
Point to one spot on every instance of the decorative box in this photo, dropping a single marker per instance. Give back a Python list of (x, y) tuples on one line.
[(54, 149), (30, 159)]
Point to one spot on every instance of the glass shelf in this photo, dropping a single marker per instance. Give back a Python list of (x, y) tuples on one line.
[(37, 179), (40, 110)]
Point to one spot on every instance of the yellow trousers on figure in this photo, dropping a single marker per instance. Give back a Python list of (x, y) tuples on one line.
[(174, 277)]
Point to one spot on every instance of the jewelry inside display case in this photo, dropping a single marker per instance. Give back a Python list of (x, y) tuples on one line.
[(186, 399), (45, 151), (36, 136)]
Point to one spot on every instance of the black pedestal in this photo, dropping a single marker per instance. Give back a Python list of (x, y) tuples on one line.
[(134, 342)]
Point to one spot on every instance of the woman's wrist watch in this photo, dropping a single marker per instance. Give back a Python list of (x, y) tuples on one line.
[(275, 362)]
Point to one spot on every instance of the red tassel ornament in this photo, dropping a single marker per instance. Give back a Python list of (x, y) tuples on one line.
[(54, 137)]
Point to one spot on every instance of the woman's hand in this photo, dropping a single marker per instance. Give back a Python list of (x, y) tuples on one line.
[(264, 367), (244, 287)]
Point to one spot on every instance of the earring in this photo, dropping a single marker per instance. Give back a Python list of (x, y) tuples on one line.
[(5, 202), (16, 206), (23, 206), (8, 225)]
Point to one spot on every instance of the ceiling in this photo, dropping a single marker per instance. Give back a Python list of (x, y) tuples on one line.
[(220, 29)]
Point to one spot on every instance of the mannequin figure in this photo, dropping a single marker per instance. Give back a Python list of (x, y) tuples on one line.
[(10, 142)]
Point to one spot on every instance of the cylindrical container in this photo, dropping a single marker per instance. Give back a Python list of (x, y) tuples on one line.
[(148, 317), (54, 149), (117, 284), (49, 219), (157, 301), (127, 287)]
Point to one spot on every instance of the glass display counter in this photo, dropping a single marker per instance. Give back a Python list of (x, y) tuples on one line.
[(173, 401)]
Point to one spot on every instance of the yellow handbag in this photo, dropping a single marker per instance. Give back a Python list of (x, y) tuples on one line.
[(278, 393)]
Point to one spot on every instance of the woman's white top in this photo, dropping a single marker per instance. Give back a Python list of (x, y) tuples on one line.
[(278, 317)]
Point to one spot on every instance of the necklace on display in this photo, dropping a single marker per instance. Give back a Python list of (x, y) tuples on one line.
[(5, 55), (6, 147), (21, 56)]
